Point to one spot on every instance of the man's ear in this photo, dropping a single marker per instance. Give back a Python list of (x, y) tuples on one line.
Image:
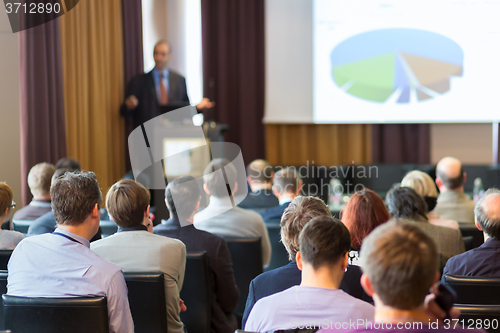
[(367, 285), (197, 208), (478, 226), (298, 259), (235, 188), (345, 261), (276, 192), (439, 182), (146, 213), (206, 189), (249, 180), (96, 212)]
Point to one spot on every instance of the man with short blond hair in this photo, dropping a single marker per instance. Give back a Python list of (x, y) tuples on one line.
[(136, 249), (39, 179)]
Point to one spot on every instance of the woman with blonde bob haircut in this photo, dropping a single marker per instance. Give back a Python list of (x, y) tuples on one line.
[(423, 184)]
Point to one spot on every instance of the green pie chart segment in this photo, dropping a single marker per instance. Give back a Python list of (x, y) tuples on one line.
[(377, 64)]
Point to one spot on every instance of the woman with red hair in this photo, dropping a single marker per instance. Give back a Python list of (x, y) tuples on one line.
[(364, 211)]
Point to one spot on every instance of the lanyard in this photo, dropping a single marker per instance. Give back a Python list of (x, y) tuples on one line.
[(66, 236)]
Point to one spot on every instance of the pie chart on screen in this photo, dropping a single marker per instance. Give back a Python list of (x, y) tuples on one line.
[(408, 64)]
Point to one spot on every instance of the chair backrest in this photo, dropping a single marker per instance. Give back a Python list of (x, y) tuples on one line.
[(146, 297), (196, 293), (4, 258), (56, 315), (477, 235), (247, 264), (486, 317), (3, 290), (468, 242), (279, 254), (108, 228), (22, 225), (474, 289)]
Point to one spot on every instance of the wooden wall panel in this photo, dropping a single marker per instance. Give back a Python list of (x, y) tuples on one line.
[(318, 144)]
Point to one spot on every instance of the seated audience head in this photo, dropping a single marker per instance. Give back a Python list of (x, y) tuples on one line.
[(214, 177), (487, 213), (287, 184), (6, 202), (260, 175), (76, 200), (423, 184), (405, 203), (399, 265), (68, 163), (450, 175), (364, 211), (324, 244), (39, 180), (182, 197), (127, 202), (300, 211)]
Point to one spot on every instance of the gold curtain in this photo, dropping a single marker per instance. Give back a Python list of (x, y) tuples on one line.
[(318, 144), (92, 54)]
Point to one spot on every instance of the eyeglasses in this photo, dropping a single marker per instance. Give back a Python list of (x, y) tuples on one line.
[(13, 204)]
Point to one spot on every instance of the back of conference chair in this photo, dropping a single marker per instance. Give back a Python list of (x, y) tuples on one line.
[(22, 225), (468, 241), (279, 254), (485, 317), (108, 228), (4, 258), (196, 293), (3, 290), (247, 264), (477, 235), (55, 315), (146, 297), (474, 289)]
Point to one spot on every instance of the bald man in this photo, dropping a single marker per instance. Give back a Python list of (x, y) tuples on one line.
[(452, 203), (260, 176), (484, 260)]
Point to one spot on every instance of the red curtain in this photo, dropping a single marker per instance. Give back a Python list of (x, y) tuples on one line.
[(233, 69)]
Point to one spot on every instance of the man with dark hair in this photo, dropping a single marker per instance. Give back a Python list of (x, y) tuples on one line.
[(260, 178), (322, 258), (452, 203), (300, 211), (68, 163), (286, 186), (484, 260), (399, 265), (39, 179), (222, 217), (136, 249), (406, 205), (183, 199), (61, 264)]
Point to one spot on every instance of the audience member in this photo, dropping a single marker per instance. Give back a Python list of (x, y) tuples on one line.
[(406, 205), (39, 179), (300, 211), (399, 264), (136, 249), (286, 186), (222, 217), (452, 203), (260, 178), (322, 258), (364, 211), (423, 184), (8, 239), (186, 192), (61, 264), (68, 163), (484, 260)]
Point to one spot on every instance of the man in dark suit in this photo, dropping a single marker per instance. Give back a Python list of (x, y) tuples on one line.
[(484, 260), (186, 193), (260, 178), (300, 211), (286, 186), (161, 86)]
